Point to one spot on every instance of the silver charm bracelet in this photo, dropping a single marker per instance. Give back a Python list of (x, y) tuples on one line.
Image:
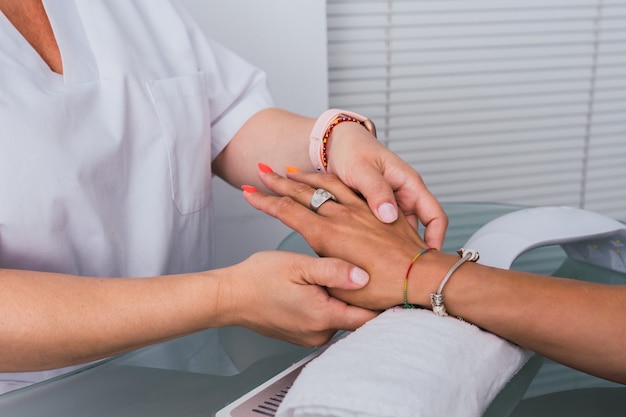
[(436, 299)]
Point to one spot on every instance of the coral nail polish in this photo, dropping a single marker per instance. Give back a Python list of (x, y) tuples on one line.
[(249, 189), (292, 169), (265, 168)]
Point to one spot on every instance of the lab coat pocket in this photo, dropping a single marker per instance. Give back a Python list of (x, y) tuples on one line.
[(183, 109)]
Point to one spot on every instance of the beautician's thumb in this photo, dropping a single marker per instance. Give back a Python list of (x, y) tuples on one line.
[(378, 194), (336, 273)]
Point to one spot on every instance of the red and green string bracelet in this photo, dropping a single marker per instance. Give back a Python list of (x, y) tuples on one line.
[(341, 118), (406, 277), (322, 129)]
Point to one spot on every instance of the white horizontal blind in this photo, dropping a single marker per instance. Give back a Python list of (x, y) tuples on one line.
[(606, 179), (507, 101)]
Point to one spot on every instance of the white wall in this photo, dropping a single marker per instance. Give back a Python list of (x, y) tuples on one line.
[(288, 40)]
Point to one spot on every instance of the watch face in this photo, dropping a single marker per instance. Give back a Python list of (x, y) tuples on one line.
[(369, 125)]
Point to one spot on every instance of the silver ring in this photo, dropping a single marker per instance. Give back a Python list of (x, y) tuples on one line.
[(320, 196)]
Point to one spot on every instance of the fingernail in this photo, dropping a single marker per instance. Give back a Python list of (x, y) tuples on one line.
[(265, 168), (388, 212), (291, 169), (249, 189), (359, 276)]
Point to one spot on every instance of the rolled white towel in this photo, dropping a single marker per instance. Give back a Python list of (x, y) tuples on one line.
[(406, 363)]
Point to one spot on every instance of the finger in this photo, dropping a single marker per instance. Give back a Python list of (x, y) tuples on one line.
[(434, 219), (334, 273), (328, 272), (301, 186), (344, 194), (435, 232), (349, 317), (377, 192), (418, 203), (287, 210)]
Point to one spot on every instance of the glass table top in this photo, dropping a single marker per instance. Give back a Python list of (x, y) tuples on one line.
[(113, 387)]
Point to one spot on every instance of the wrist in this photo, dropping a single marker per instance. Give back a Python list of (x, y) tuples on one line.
[(405, 300), (426, 276), (223, 298), (323, 129)]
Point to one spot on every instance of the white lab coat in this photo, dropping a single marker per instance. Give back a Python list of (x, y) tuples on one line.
[(106, 169)]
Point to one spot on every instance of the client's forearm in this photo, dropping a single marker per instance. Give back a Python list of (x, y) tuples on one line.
[(562, 319)]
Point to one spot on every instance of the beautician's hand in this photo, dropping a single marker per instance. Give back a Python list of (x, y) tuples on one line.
[(283, 295), (345, 229), (385, 180), (354, 155)]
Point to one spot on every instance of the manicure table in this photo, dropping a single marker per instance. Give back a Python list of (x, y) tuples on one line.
[(113, 387)]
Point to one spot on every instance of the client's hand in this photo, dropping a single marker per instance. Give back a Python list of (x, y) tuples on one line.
[(346, 229)]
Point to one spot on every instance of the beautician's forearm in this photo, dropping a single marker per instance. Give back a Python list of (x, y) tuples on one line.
[(273, 136), (574, 322), (54, 320)]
